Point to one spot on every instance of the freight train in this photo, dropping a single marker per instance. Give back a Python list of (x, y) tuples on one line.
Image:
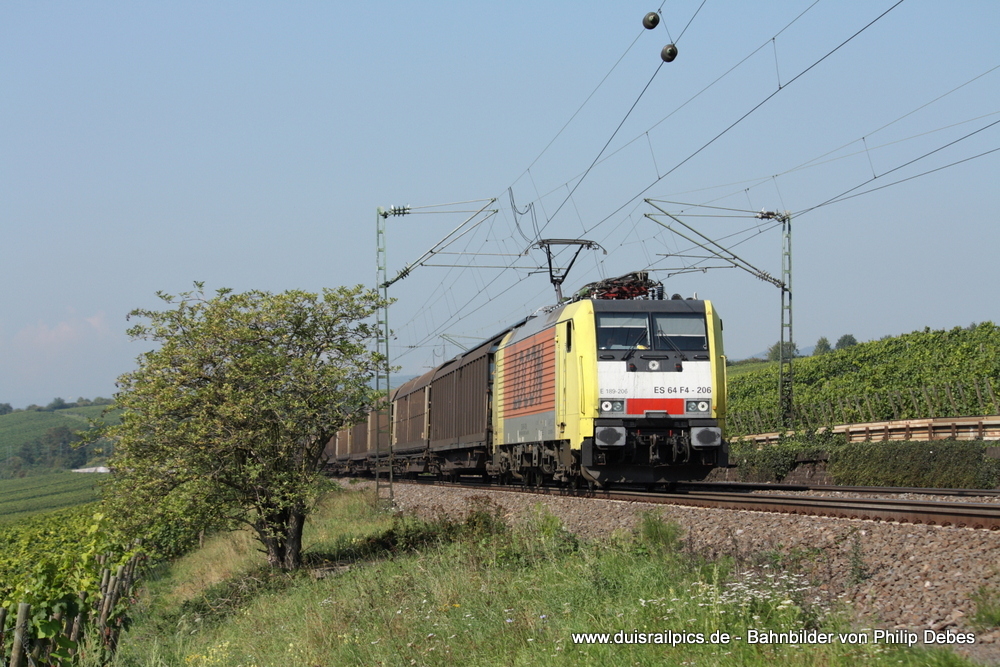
[(615, 386)]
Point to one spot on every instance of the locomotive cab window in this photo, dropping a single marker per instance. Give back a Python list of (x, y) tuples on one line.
[(622, 331), (679, 331)]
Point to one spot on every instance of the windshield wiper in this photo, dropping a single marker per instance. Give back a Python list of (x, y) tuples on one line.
[(674, 345), (631, 350)]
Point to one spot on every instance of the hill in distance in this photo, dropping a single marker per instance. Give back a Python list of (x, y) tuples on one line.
[(40, 439)]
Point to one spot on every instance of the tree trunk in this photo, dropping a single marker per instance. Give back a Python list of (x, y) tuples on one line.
[(281, 535), (271, 529), (293, 540)]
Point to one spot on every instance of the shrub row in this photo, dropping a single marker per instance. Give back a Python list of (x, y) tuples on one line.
[(943, 464)]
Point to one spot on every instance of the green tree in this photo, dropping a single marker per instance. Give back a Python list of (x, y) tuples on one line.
[(846, 341), (5, 409), (822, 346), (57, 404), (774, 352), (226, 421), (55, 449)]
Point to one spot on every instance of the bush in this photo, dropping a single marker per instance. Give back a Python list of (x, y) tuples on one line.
[(944, 464), (772, 463)]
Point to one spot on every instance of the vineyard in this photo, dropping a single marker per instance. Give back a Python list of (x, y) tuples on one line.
[(919, 375), (20, 498), (65, 583)]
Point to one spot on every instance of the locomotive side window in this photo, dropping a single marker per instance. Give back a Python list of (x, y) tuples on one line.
[(680, 331), (622, 331)]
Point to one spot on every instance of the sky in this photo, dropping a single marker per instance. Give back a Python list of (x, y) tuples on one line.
[(145, 146)]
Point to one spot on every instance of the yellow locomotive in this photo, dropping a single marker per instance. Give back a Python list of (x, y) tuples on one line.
[(599, 390)]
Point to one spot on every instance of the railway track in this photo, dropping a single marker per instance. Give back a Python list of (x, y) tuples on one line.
[(830, 488), (985, 516)]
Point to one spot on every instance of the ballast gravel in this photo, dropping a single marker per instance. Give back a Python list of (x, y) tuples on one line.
[(892, 576)]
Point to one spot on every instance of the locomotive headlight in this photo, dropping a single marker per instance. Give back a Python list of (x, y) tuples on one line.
[(697, 406), (612, 406), (606, 406)]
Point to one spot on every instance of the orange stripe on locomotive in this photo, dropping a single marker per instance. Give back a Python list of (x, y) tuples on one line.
[(529, 376)]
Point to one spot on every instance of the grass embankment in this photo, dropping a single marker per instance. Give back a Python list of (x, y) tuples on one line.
[(477, 592), (23, 497)]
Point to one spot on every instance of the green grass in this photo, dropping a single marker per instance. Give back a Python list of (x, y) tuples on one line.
[(477, 593), (23, 497), (987, 607)]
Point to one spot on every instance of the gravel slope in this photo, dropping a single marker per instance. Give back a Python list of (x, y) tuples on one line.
[(892, 575)]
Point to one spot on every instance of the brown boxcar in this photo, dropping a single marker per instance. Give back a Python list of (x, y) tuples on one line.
[(376, 434), (410, 412), (460, 400)]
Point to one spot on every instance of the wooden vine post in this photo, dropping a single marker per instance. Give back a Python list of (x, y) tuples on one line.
[(18, 651)]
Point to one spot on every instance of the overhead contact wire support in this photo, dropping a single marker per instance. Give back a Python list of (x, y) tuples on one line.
[(383, 487)]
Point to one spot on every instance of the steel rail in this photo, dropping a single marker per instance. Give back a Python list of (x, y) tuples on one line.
[(919, 512), (961, 515), (831, 488)]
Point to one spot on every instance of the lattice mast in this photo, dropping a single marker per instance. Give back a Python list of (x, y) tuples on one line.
[(786, 404), (788, 352), (383, 482)]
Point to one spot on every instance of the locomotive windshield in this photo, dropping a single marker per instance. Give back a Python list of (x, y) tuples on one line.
[(680, 331), (671, 331), (622, 331)]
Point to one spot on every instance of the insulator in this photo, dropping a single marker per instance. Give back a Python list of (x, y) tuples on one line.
[(668, 53), (650, 20)]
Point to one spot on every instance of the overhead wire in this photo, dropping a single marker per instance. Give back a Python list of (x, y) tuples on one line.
[(905, 164), (461, 310), (799, 75), (606, 144), (812, 163), (568, 122), (692, 98), (569, 196), (844, 195), (745, 115), (751, 111)]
